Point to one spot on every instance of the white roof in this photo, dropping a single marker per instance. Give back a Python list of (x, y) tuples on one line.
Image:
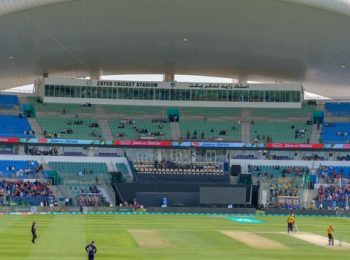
[(305, 41)]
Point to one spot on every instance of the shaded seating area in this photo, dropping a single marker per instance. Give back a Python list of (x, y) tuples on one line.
[(131, 128), (277, 171), (211, 111), (19, 169), (79, 168), (338, 108), (335, 133), (305, 111), (172, 168), (284, 132), (15, 126), (210, 130), (61, 107), (8, 101), (131, 111), (55, 127)]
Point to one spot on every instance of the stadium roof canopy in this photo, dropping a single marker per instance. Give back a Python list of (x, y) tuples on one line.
[(263, 40)]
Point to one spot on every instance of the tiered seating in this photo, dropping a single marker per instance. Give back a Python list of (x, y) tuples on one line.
[(129, 128), (277, 171), (211, 111), (332, 196), (305, 112), (91, 196), (79, 168), (335, 133), (284, 132), (8, 101), (25, 193), (338, 108), (60, 107), (14, 126), (19, 169), (173, 168), (210, 130), (334, 171), (134, 110), (55, 127)]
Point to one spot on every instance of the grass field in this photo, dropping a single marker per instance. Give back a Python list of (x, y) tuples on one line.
[(163, 237)]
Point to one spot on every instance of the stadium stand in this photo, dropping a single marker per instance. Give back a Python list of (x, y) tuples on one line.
[(332, 196), (168, 167), (55, 127), (91, 196), (18, 192), (210, 130), (287, 132), (8, 101), (335, 133), (305, 112), (61, 107), (130, 128), (79, 168), (131, 111), (15, 126), (277, 171), (211, 111), (338, 108), (19, 169)]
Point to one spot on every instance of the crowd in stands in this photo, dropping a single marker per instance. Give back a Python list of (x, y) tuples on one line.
[(92, 197), (332, 196), (20, 170), (244, 156), (37, 151), (343, 157), (170, 167), (314, 157), (69, 131), (24, 192), (333, 174), (286, 189), (277, 171), (131, 122)]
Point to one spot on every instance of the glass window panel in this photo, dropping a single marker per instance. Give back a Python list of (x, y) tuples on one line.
[(52, 91), (57, 91), (77, 92), (245, 96), (83, 92), (104, 92), (47, 90), (172, 94), (88, 92)]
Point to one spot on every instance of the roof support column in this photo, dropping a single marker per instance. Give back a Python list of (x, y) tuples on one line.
[(169, 77), (94, 75), (243, 79)]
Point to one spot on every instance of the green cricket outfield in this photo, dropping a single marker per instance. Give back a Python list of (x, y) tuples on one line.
[(170, 237)]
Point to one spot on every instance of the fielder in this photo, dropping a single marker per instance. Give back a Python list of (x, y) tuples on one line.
[(291, 223), (330, 231)]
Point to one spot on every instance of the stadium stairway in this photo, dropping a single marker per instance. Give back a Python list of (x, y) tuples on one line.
[(35, 127), (106, 131), (307, 197), (106, 188), (315, 134), (175, 130), (245, 132)]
